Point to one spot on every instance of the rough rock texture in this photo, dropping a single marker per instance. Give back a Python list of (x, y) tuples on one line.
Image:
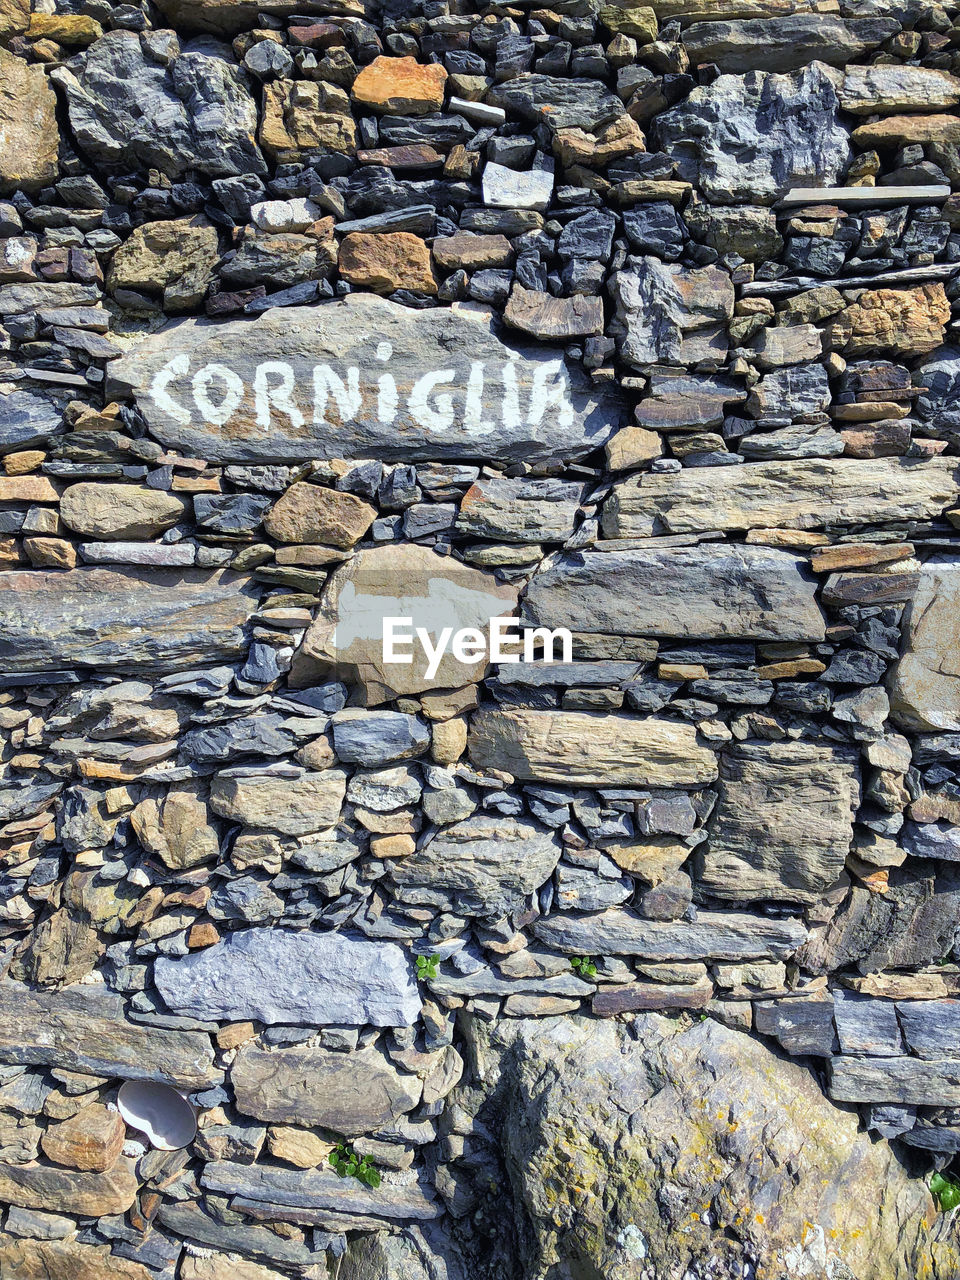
[(28, 126), (925, 693)]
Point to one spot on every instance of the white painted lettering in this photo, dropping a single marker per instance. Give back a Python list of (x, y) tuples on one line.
[(392, 637), (439, 418), (473, 420), (549, 391), (173, 369), (327, 384), (217, 414), (434, 652), (510, 410), (280, 397)]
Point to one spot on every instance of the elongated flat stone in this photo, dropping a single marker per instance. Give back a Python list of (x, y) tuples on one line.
[(714, 935), (137, 620), (194, 1223), (711, 592), (806, 494), (84, 1029), (319, 1189), (350, 1093), (584, 749), (913, 1081), (361, 377), (274, 975), (38, 1186)]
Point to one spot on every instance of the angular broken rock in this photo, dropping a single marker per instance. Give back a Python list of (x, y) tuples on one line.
[(400, 86), (805, 494), (176, 829), (509, 510), (148, 620), (91, 1140), (713, 591), (27, 419), (346, 639), (925, 690), (309, 513), (714, 935), (294, 807), (361, 377), (35, 1186), (664, 311), (894, 322), (84, 1028), (553, 319), (783, 823), (350, 1093), (584, 749), (273, 975), (911, 1081), (485, 865), (749, 139)]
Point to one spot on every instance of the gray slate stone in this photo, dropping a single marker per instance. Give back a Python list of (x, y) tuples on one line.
[(193, 1222), (124, 620), (785, 42), (321, 1189), (127, 110), (707, 592), (558, 103), (275, 976), (432, 356), (914, 1081), (374, 738), (26, 420), (749, 139), (714, 935), (931, 1028)]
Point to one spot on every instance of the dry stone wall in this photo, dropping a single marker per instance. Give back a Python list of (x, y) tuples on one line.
[(635, 320)]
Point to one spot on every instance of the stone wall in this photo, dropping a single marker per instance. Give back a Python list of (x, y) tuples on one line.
[(635, 320)]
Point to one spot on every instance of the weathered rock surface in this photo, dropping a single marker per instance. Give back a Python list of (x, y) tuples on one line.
[(584, 749), (29, 137), (85, 1029), (803, 494), (119, 511), (318, 388), (176, 829), (135, 620), (348, 1093), (752, 1136), (485, 866), (400, 86), (175, 257), (896, 322), (714, 592), (294, 807), (67, 1260), (785, 43), (925, 691), (865, 90), (91, 1140), (345, 640), (783, 823), (749, 139), (274, 975), (669, 313), (36, 1186), (714, 935), (117, 96)]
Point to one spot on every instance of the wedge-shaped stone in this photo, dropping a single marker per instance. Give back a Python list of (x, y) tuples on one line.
[(361, 377), (910, 1081), (714, 935), (783, 823), (143, 620), (274, 975), (84, 1029), (925, 693), (350, 1093), (319, 1189), (713, 591), (885, 89), (346, 639), (584, 749), (807, 494), (485, 865), (38, 1186)]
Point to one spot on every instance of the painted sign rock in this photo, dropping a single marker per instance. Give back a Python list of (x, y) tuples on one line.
[(122, 619), (357, 378)]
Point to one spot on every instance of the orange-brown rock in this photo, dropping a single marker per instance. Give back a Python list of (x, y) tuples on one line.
[(899, 131), (577, 146), (66, 1260), (14, 17), (472, 252), (29, 137), (40, 1186), (305, 115), (309, 513), (385, 263), (91, 1140), (897, 322), (400, 86)]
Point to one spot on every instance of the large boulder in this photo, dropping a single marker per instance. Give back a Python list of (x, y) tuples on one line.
[(643, 1150), (749, 139)]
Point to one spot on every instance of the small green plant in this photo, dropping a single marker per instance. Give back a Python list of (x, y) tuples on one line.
[(583, 966), (945, 1189), (348, 1164), (427, 967)]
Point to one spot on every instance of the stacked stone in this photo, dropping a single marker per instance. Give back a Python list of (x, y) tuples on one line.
[(634, 320)]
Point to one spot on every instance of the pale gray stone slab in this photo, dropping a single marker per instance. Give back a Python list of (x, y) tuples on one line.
[(714, 935)]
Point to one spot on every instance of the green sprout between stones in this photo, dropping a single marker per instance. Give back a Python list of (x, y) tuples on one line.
[(427, 967), (583, 966), (348, 1164), (945, 1189)]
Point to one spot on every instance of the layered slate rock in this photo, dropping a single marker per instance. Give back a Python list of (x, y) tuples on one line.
[(361, 377), (122, 619), (293, 806), (349, 1093), (749, 139), (710, 592), (35, 1186), (583, 749), (274, 975), (714, 935), (85, 1029), (345, 641), (785, 43), (925, 691), (116, 95), (27, 419), (783, 823), (803, 494), (66, 1259), (669, 313), (321, 1189), (483, 866)]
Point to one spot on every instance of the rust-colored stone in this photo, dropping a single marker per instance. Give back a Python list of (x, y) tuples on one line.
[(387, 262)]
